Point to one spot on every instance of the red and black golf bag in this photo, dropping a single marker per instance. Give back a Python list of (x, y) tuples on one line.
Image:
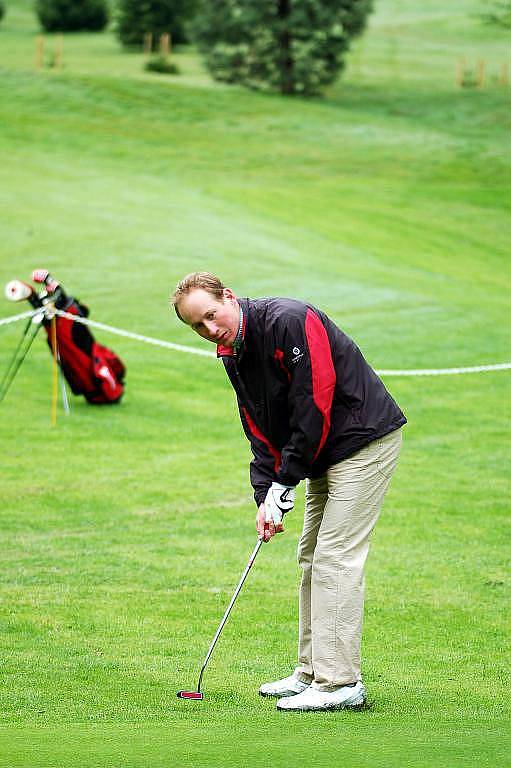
[(90, 369)]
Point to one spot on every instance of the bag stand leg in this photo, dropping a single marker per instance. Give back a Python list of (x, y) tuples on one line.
[(20, 354)]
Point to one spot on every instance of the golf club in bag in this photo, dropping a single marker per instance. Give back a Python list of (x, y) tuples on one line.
[(90, 369), (17, 290), (198, 695)]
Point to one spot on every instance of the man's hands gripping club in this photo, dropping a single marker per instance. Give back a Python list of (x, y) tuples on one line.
[(279, 500)]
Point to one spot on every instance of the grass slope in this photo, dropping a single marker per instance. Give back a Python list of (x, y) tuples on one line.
[(124, 530)]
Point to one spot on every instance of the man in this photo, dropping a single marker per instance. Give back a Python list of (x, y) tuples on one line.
[(312, 408)]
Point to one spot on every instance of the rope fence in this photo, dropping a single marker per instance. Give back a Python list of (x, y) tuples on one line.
[(205, 353), (15, 318)]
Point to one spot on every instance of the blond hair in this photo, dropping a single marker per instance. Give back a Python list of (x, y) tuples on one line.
[(204, 280)]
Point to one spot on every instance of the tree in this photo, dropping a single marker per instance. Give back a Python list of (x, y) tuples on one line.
[(292, 46), (72, 15), (499, 13), (2, 10), (136, 18)]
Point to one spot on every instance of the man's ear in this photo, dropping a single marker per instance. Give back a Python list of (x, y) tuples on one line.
[(228, 294)]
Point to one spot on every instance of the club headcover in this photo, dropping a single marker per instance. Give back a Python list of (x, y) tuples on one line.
[(17, 290)]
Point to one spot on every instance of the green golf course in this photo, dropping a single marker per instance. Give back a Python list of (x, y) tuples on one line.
[(125, 529)]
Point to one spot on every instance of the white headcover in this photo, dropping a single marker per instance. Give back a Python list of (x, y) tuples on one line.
[(17, 290)]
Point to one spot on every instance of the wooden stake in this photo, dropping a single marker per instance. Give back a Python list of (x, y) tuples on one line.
[(59, 51), (164, 44), (39, 51), (480, 71), (504, 75), (148, 43)]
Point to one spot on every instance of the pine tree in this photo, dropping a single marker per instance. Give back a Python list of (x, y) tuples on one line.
[(292, 46), (136, 18)]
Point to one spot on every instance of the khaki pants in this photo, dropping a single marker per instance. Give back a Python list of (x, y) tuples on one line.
[(341, 510)]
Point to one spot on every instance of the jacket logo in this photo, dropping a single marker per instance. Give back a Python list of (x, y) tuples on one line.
[(298, 354)]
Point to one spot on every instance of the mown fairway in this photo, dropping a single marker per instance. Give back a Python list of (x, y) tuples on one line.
[(124, 531)]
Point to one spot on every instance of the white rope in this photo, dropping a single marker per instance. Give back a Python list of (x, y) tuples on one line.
[(137, 336), (14, 318), (204, 353), (447, 371)]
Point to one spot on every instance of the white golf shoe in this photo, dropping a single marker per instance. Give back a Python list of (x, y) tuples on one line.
[(314, 700), (288, 686)]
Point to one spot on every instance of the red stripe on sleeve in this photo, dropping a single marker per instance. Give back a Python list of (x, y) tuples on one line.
[(259, 435), (279, 355), (323, 371)]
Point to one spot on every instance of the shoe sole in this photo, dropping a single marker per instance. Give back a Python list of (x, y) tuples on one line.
[(358, 704)]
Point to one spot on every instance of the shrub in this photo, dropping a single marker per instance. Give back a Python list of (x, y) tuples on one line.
[(293, 46), (161, 64), (136, 18), (72, 15)]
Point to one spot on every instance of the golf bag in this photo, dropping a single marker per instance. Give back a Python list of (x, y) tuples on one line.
[(90, 369)]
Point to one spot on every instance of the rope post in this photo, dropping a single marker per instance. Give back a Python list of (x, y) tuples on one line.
[(58, 52), (39, 51), (480, 73), (504, 75), (148, 43), (165, 44), (55, 377)]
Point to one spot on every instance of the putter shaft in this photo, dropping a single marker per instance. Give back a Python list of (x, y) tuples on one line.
[(226, 614)]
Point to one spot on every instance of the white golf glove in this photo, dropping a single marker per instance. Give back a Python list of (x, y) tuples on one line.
[(279, 499)]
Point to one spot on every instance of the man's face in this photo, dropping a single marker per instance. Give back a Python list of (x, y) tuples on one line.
[(214, 320)]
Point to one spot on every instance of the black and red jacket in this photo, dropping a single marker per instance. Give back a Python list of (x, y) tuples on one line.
[(306, 395)]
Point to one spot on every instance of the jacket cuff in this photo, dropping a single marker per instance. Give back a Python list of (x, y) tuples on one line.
[(259, 496), (288, 480)]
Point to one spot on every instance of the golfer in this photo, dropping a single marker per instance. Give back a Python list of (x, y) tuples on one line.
[(311, 408)]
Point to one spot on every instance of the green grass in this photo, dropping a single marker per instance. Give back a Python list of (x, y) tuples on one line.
[(125, 530)]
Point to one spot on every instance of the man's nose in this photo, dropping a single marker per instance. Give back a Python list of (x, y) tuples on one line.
[(211, 327)]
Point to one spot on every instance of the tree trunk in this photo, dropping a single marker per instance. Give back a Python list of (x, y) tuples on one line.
[(287, 84)]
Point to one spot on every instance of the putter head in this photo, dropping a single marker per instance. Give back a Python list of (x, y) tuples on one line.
[(197, 695)]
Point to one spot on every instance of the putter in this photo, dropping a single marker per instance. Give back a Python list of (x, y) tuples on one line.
[(198, 695)]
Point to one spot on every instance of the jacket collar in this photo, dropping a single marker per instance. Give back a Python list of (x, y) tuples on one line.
[(237, 350)]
